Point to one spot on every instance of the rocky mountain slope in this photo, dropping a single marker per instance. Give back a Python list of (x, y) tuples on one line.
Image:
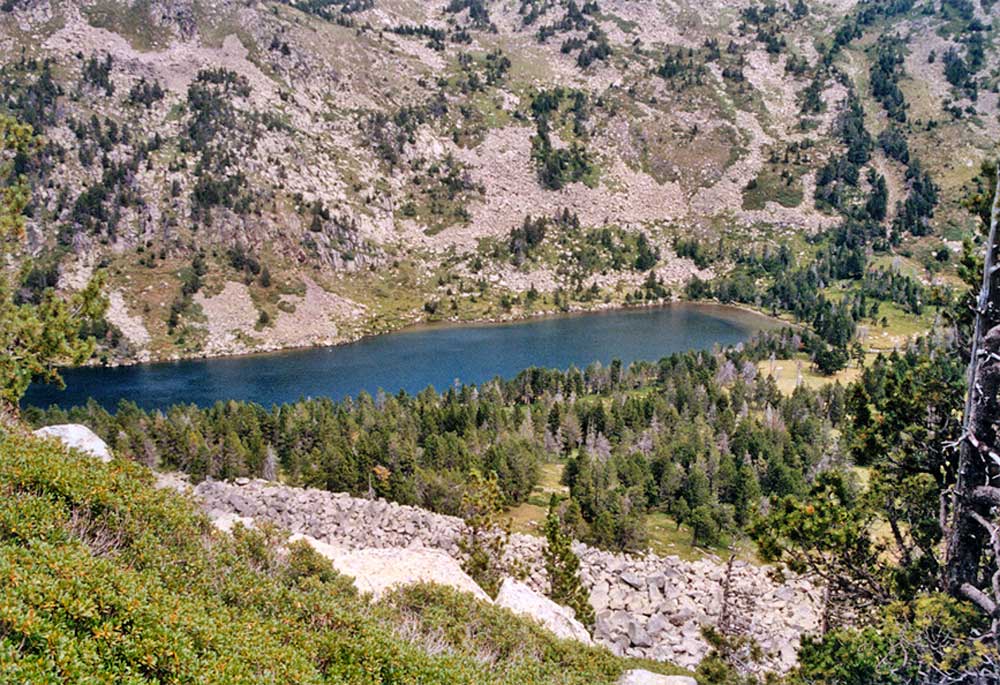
[(651, 607), (256, 175)]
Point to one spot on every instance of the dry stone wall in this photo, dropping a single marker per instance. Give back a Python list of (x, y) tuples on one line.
[(647, 606)]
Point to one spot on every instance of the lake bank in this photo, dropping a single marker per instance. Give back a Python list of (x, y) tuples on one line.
[(757, 317), (411, 359)]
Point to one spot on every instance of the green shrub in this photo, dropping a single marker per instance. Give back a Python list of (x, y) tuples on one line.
[(107, 579)]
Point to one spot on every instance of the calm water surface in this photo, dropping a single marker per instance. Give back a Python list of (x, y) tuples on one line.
[(411, 360)]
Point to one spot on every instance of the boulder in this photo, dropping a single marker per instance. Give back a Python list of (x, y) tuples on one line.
[(638, 636), (78, 437), (173, 480), (657, 624), (376, 570), (521, 599), (633, 580), (226, 522), (640, 677)]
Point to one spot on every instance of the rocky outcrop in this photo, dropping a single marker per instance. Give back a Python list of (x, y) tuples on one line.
[(521, 599), (647, 606), (377, 570), (78, 437), (641, 677), (226, 522)]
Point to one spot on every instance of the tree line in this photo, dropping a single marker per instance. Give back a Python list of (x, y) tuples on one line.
[(701, 436)]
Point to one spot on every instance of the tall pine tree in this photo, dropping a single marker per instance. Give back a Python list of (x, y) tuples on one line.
[(563, 568)]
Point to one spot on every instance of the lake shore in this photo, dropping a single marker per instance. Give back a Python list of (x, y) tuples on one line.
[(437, 354), (755, 316)]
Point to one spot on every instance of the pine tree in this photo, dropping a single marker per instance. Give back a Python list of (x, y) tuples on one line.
[(486, 535), (34, 338), (563, 569)]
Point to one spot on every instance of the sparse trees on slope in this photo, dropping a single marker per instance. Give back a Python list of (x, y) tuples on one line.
[(34, 337)]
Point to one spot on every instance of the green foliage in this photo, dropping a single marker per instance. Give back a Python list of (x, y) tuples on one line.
[(30, 92), (145, 93), (705, 528), (885, 73), (36, 336), (562, 567), (109, 579), (559, 165), (828, 534), (903, 420), (332, 9), (878, 547), (799, 290), (593, 46), (217, 131), (520, 650), (389, 134), (441, 194), (486, 532), (729, 659), (97, 73), (930, 639), (670, 436), (479, 13)]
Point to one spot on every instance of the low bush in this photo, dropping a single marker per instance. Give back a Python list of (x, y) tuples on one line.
[(108, 579)]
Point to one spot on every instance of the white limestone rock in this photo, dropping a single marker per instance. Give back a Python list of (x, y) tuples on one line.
[(226, 522), (646, 606), (640, 677), (376, 570), (78, 437), (521, 599)]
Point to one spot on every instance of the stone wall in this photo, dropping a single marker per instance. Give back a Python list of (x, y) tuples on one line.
[(646, 606)]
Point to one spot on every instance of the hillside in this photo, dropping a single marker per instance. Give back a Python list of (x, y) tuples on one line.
[(261, 175), (107, 579)]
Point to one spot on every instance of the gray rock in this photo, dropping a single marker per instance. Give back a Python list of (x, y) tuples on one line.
[(681, 616), (226, 522), (632, 579), (521, 599), (599, 595), (657, 624), (378, 570), (638, 636), (78, 437)]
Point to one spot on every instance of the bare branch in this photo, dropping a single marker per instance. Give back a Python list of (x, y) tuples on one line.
[(979, 598)]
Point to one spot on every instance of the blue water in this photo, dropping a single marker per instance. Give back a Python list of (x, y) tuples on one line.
[(410, 360)]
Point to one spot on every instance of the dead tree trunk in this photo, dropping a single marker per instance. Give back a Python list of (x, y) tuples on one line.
[(973, 536)]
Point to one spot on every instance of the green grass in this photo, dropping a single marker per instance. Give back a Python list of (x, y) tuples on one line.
[(667, 539), (529, 516), (108, 579), (131, 21), (625, 25), (770, 187), (786, 373)]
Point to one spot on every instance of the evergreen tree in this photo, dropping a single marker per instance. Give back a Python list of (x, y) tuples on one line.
[(563, 568), (486, 535), (34, 337)]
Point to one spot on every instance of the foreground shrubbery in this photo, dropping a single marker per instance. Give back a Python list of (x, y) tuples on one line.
[(106, 579)]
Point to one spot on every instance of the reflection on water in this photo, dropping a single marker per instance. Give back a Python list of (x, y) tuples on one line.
[(410, 360)]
